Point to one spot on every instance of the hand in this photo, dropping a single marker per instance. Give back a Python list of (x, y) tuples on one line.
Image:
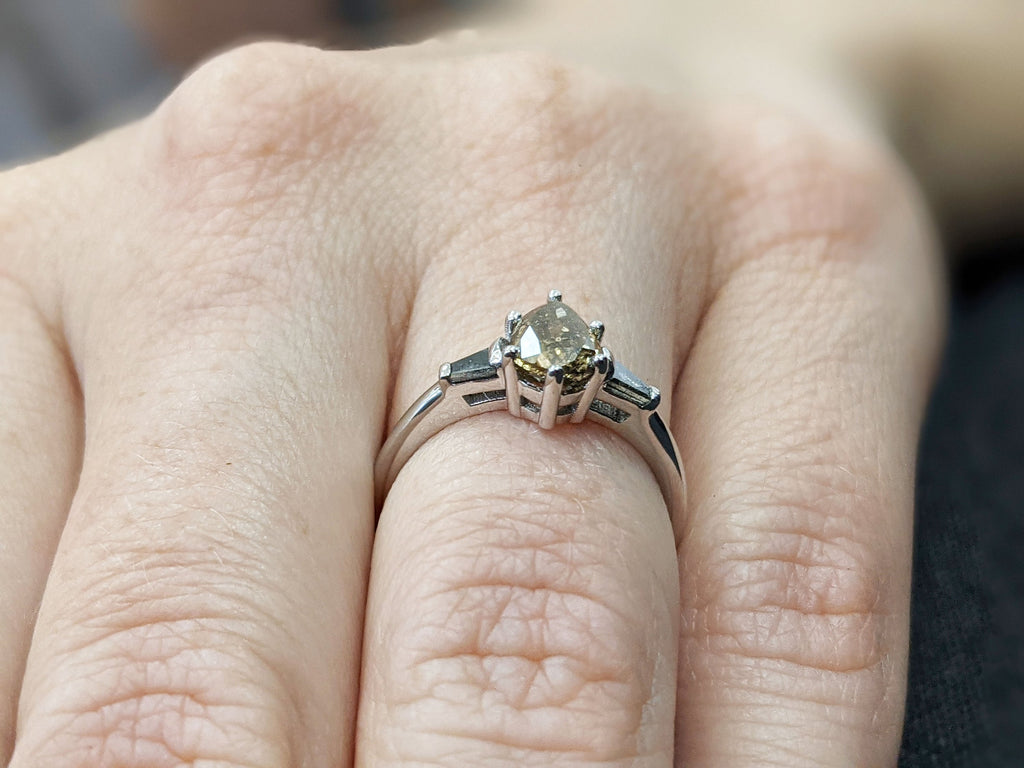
[(215, 312)]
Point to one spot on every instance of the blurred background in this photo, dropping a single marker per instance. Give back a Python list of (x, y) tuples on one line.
[(952, 92), (70, 68)]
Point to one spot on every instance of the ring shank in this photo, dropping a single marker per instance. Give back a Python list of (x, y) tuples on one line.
[(472, 385)]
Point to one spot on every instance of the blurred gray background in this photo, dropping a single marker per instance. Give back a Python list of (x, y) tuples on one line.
[(69, 68)]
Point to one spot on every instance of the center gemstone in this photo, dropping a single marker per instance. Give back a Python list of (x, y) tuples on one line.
[(554, 335)]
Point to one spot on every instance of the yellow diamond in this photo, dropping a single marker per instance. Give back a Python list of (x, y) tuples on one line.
[(554, 335)]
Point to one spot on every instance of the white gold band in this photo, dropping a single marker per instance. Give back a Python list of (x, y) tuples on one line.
[(609, 394)]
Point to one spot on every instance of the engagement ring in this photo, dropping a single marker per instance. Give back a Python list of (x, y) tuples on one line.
[(549, 367)]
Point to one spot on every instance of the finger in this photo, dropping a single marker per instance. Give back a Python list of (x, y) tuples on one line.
[(523, 595), (205, 604), (799, 411), (40, 445)]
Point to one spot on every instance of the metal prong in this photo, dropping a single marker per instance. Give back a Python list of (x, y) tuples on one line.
[(494, 356), (445, 371), (551, 398), (511, 322), (511, 379), (655, 399), (597, 331), (601, 363), (554, 295)]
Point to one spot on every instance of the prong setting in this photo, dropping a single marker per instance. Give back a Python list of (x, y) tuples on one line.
[(511, 323), (494, 357), (655, 399), (552, 363), (601, 366), (551, 397), (550, 369), (508, 366)]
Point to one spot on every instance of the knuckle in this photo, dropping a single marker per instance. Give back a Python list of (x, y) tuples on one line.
[(542, 147), (796, 581), (527, 634), (514, 652), (517, 84), (258, 105), (785, 178), (232, 161), (519, 644), (161, 692), (527, 125), (153, 667)]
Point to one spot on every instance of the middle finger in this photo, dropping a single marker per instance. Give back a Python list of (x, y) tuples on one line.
[(205, 603)]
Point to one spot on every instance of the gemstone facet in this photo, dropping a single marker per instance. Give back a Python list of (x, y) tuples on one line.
[(553, 335)]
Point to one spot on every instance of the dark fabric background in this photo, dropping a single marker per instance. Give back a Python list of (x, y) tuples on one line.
[(965, 702)]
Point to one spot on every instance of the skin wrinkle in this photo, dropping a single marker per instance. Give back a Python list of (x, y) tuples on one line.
[(581, 689), (542, 666), (812, 202), (795, 522), (571, 574), (567, 569), (773, 685), (764, 583), (512, 754), (125, 742), (120, 621), (780, 685), (608, 743), (517, 619), (501, 637), (807, 588), (147, 592), (166, 681), (768, 635)]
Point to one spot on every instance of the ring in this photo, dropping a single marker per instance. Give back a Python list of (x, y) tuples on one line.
[(548, 367)]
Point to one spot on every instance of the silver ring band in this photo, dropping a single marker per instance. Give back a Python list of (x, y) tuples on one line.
[(595, 388)]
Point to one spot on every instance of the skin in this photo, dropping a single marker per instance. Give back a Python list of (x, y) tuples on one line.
[(212, 316)]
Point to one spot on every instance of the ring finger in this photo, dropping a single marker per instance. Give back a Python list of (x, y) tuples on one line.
[(524, 596)]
